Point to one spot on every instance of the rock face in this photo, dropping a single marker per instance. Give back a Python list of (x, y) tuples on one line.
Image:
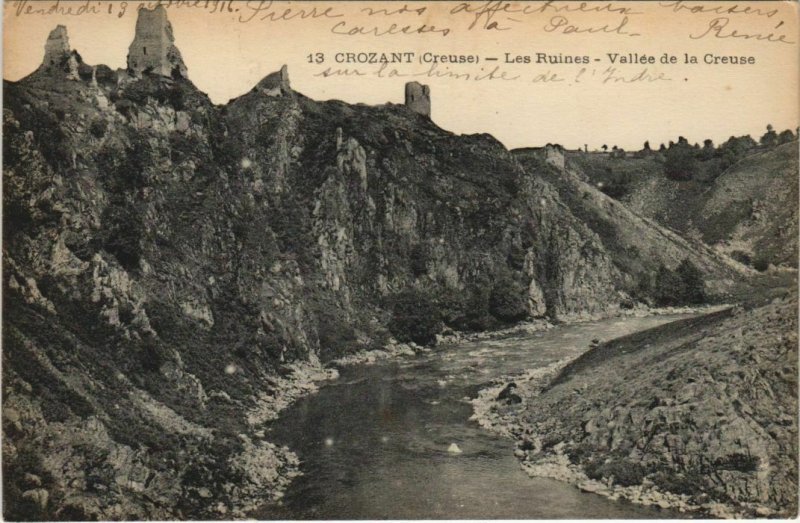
[(418, 98), (153, 49), (704, 408), (637, 246)]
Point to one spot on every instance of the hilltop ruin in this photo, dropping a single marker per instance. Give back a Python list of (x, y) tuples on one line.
[(418, 98), (153, 48)]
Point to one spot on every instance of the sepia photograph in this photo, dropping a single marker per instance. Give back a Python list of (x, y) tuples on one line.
[(406, 260)]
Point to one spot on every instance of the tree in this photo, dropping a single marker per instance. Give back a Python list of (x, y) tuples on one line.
[(682, 286), (680, 163), (508, 300), (708, 150), (693, 285), (415, 317), (646, 146), (770, 138), (786, 136), (605, 148)]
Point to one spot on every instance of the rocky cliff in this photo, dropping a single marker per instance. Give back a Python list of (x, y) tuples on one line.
[(170, 265)]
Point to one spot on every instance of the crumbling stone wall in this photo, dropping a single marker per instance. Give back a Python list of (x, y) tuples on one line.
[(56, 49), (153, 49), (418, 98)]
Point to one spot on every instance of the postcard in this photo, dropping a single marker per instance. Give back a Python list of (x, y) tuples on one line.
[(320, 260)]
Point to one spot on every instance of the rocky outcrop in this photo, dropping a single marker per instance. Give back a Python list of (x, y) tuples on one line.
[(418, 98), (153, 48), (697, 415), (276, 84)]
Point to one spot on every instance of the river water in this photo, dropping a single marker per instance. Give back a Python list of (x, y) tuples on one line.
[(374, 443)]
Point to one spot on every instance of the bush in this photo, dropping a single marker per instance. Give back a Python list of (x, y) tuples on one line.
[(679, 483), (415, 317), (419, 258), (619, 470), (336, 335), (507, 301), (98, 128), (738, 461), (679, 287), (742, 257), (680, 163), (693, 285), (761, 264)]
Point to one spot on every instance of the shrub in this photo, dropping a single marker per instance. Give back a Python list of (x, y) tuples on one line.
[(415, 317), (617, 184), (98, 128), (742, 257), (619, 470), (738, 461), (679, 483), (336, 335), (418, 258), (680, 163), (693, 285), (761, 264), (507, 301), (679, 287)]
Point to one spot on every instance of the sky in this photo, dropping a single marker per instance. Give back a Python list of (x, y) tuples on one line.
[(229, 46)]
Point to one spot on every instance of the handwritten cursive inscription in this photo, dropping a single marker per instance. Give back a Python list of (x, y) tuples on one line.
[(718, 28)]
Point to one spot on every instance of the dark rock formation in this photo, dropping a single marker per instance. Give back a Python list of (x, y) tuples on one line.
[(153, 48), (418, 98)]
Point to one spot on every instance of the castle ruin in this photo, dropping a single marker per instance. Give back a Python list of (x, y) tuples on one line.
[(58, 56), (418, 98), (153, 49), (56, 49)]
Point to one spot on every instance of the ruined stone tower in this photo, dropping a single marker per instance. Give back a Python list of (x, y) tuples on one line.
[(56, 49), (418, 98), (58, 57), (153, 49)]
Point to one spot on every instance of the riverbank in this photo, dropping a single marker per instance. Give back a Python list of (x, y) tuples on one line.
[(698, 415), (271, 468)]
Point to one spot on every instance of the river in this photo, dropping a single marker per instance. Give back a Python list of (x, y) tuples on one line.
[(374, 443)]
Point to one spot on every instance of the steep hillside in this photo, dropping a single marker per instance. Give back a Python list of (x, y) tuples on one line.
[(172, 268), (748, 211), (696, 415), (639, 247)]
